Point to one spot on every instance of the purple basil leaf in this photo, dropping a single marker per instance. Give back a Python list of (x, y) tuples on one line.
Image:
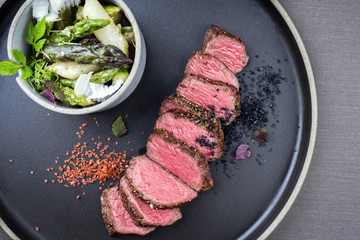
[(53, 87), (242, 152), (48, 94)]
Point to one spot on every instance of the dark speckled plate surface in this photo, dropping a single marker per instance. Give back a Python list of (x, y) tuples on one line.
[(248, 194)]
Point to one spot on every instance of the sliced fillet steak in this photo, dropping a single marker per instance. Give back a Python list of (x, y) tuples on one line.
[(180, 159), (226, 47), (220, 98), (210, 67), (205, 135), (116, 218), (175, 101), (142, 213), (153, 184)]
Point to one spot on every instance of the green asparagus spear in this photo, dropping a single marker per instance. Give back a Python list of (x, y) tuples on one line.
[(129, 35), (98, 54), (67, 82), (114, 12), (80, 29), (73, 99), (104, 76), (122, 75)]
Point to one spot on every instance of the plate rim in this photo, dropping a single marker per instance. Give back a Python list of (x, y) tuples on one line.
[(314, 121), (313, 131)]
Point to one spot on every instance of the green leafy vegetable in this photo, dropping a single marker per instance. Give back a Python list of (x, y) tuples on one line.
[(39, 30), (9, 68), (29, 35), (118, 127), (26, 72), (19, 56)]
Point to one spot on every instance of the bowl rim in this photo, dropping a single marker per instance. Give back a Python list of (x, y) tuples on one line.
[(112, 100)]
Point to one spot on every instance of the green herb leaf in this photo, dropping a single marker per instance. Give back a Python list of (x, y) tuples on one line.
[(39, 29), (9, 68), (19, 56), (26, 72), (39, 44), (29, 35), (118, 127)]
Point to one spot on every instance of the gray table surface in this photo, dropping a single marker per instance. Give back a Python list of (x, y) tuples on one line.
[(328, 204)]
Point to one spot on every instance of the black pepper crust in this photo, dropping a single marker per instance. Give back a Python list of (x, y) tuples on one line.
[(202, 163), (230, 114), (105, 209), (214, 31), (188, 105), (212, 125), (138, 219)]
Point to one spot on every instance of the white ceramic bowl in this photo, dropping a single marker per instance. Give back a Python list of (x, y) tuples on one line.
[(16, 40)]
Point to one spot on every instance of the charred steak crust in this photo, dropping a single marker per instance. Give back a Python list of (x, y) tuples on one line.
[(184, 103), (140, 195), (207, 182), (106, 216), (212, 34), (213, 31), (230, 77), (230, 115), (211, 125), (129, 207), (139, 213)]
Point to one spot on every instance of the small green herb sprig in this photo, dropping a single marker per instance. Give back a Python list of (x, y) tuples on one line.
[(33, 36)]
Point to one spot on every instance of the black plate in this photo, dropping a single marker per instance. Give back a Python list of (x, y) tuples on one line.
[(247, 195)]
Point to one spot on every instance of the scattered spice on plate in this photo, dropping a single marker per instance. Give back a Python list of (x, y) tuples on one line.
[(37, 228), (32, 172), (10, 160), (84, 164)]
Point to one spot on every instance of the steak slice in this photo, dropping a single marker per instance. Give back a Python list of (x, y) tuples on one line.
[(175, 101), (205, 135), (220, 98), (210, 67), (226, 47), (180, 159), (117, 220), (142, 213), (153, 184)]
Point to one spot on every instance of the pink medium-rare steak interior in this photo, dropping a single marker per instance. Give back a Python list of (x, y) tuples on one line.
[(221, 99), (142, 212), (155, 185), (175, 101), (205, 135), (210, 67), (116, 218), (180, 159), (226, 47)]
